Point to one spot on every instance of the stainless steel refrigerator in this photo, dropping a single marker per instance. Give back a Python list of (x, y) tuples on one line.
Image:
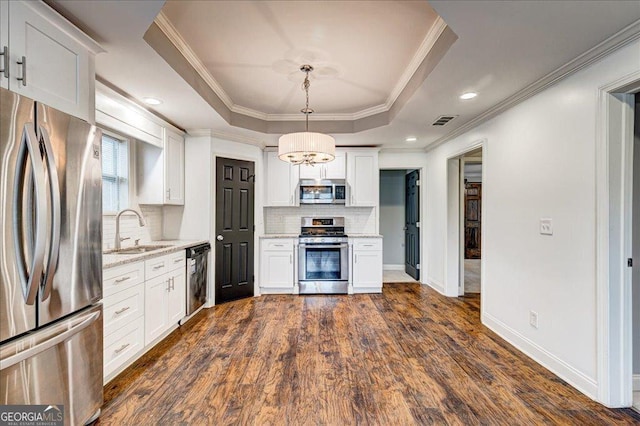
[(50, 259)]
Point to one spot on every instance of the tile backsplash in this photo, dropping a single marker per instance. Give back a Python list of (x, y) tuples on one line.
[(286, 220), (129, 227)]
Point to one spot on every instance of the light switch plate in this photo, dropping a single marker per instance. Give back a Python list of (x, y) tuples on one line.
[(546, 226)]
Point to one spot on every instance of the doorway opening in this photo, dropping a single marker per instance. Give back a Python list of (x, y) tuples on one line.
[(471, 235), (400, 224), (635, 254)]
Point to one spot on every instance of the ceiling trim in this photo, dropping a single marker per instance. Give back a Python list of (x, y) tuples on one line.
[(426, 46), (174, 36), (620, 39), (226, 136), (163, 45)]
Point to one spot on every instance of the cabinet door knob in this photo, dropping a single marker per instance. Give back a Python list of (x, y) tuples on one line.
[(219, 238)]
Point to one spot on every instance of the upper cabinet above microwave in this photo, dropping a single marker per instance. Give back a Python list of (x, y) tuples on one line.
[(336, 169), (45, 58)]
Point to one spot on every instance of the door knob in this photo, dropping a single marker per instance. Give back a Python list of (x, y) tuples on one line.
[(219, 238)]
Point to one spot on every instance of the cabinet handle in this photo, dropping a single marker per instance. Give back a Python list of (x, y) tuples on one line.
[(155, 268), (23, 62), (5, 61), (278, 245), (125, 309), (168, 193), (291, 201), (351, 198), (355, 260), (290, 259), (122, 348), (367, 245), (177, 261), (121, 280), (173, 282)]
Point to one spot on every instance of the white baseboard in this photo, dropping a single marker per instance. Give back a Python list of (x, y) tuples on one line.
[(393, 267), (636, 382), (574, 377), (435, 285)]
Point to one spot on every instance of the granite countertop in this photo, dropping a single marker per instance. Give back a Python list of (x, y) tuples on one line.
[(111, 260)]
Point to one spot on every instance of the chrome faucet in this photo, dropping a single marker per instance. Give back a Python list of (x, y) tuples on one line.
[(118, 239)]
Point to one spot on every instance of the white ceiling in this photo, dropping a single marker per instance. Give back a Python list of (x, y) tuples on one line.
[(502, 48), (254, 50)]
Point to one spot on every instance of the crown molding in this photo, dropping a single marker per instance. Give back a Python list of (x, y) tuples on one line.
[(174, 36), (623, 37), (226, 136), (418, 58), (426, 46)]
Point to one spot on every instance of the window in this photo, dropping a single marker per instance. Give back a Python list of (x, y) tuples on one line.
[(115, 173)]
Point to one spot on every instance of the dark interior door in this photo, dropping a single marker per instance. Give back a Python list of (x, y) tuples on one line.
[(472, 205), (411, 225), (234, 229)]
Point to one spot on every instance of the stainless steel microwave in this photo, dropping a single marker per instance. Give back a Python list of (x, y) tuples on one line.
[(323, 191)]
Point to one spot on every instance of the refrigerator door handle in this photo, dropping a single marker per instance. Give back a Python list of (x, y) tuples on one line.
[(29, 278), (74, 329), (54, 193)]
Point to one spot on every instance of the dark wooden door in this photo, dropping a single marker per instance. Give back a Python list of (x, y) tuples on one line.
[(411, 225), (472, 207), (234, 229)]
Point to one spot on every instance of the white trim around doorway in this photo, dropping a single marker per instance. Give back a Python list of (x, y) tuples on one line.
[(614, 165)]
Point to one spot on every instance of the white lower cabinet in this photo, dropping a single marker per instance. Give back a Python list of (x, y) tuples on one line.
[(123, 316), (143, 301), (367, 265), (277, 265), (165, 295)]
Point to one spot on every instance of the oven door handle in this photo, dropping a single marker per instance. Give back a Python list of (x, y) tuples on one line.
[(324, 246)]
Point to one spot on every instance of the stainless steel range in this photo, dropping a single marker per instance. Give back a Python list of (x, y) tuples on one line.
[(323, 256)]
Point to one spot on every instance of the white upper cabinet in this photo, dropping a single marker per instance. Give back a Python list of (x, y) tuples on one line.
[(363, 178), (49, 60), (4, 44), (160, 170), (174, 168), (335, 169), (281, 182)]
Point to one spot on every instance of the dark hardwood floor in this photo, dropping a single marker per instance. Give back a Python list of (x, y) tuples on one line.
[(406, 356)]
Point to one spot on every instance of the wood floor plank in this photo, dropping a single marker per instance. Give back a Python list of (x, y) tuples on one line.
[(406, 356)]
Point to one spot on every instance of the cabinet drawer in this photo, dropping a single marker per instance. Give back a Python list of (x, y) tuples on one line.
[(367, 244), (280, 244), (122, 345), (163, 264), (121, 278), (123, 307)]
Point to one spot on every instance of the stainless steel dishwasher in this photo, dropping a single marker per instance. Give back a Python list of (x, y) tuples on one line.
[(197, 276)]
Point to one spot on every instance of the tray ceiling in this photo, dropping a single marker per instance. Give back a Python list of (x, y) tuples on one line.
[(365, 54)]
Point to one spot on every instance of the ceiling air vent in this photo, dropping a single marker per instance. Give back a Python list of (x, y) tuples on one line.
[(443, 119)]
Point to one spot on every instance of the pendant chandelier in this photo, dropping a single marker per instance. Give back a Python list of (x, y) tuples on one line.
[(306, 147)]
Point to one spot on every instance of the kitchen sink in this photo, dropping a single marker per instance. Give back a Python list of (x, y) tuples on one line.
[(135, 250)]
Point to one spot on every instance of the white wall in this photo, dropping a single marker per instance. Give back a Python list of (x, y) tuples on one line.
[(392, 220), (539, 161)]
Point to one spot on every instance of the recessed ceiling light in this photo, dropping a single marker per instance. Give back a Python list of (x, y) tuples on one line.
[(152, 101), (468, 95), (411, 139)]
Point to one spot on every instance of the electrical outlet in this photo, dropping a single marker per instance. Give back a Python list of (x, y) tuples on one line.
[(546, 226), (533, 319)]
